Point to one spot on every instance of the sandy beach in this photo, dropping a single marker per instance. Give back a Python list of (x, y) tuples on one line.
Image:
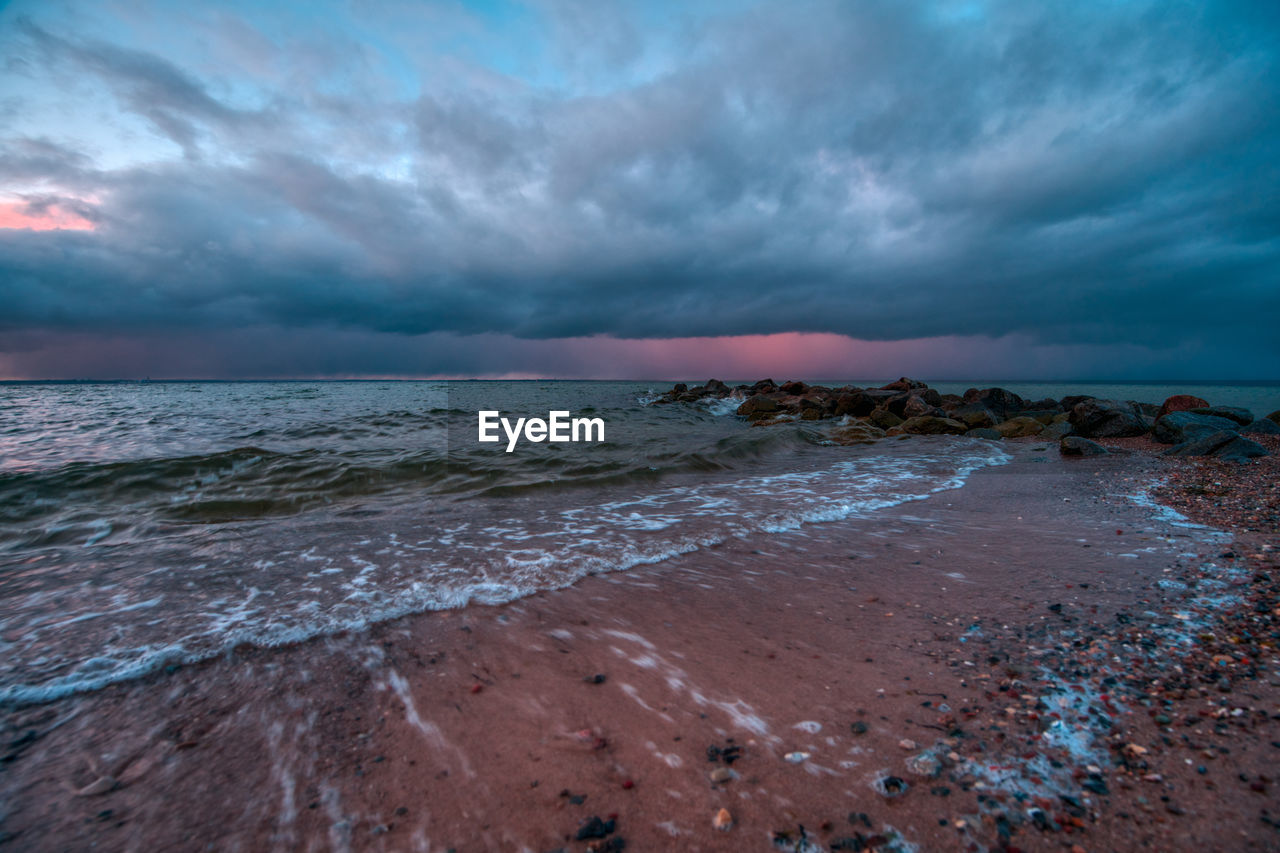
[(1042, 659)]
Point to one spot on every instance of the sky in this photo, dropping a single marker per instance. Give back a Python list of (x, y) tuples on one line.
[(579, 189)]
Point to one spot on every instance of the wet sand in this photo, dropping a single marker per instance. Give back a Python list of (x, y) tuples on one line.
[(1026, 655)]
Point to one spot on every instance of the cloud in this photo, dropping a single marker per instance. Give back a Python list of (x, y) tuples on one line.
[(1079, 174)]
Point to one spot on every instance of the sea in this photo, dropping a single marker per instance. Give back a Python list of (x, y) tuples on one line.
[(152, 524)]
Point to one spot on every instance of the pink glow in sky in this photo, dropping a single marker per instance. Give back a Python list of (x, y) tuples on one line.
[(51, 218)]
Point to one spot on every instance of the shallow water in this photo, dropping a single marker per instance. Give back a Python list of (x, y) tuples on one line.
[(145, 524)]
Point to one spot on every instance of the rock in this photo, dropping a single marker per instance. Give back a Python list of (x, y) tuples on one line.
[(916, 406), (793, 387), (1095, 418), (1274, 417), (1074, 445), (975, 415), (1018, 427), (984, 432), (903, 384), (1262, 426), (715, 386), (860, 433), (764, 386), (1068, 403), (885, 419), (721, 774), (723, 821), (998, 400), (1227, 444), (858, 727), (858, 404), (679, 388), (796, 757), (932, 425), (758, 406), (596, 828), (1180, 403), (925, 765), (1244, 417), (1057, 430), (1179, 427)]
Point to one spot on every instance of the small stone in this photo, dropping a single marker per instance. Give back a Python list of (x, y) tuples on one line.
[(858, 728), (721, 774), (907, 743), (796, 757), (723, 821)]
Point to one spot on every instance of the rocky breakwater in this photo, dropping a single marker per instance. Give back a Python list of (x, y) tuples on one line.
[(908, 406)]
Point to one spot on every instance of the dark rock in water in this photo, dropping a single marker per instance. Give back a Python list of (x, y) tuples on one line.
[(998, 400), (903, 384), (984, 432), (1107, 418), (1151, 410), (912, 405), (1018, 427), (679, 388), (1070, 402), (1048, 404), (764, 386), (715, 386), (793, 387), (884, 419), (1057, 430), (1179, 427), (1227, 444), (975, 415), (1074, 445), (1262, 426), (758, 406), (1244, 417), (931, 425), (858, 404), (595, 828), (1180, 403), (1274, 417)]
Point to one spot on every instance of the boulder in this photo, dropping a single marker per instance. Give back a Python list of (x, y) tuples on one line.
[(1177, 427), (1226, 444), (856, 433), (1262, 426), (984, 432), (1244, 417), (974, 415), (884, 419), (917, 406), (1018, 427), (758, 406), (1095, 418), (1044, 416), (1180, 403), (715, 386), (998, 400), (932, 425), (764, 386), (859, 404), (1074, 445), (1069, 403), (1048, 404), (793, 387), (1056, 430), (903, 384), (679, 388), (1274, 417)]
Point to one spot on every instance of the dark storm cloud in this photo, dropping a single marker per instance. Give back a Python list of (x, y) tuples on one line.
[(1073, 173)]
